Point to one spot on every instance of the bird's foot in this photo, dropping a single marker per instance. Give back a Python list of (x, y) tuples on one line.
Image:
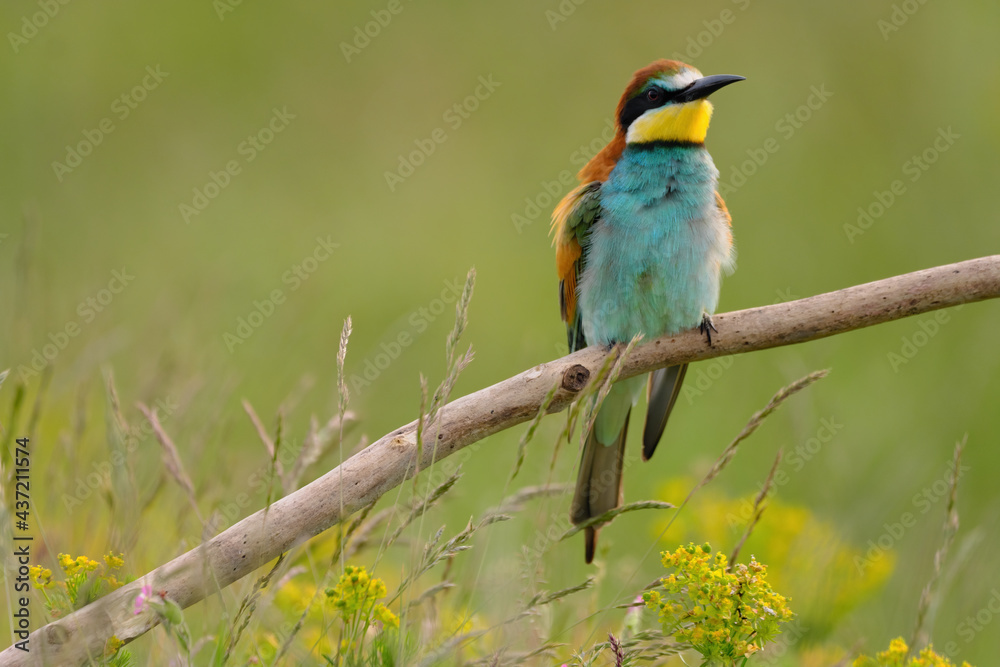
[(707, 327)]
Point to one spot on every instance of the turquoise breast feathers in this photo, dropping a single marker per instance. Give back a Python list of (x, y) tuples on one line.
[(654, 260)]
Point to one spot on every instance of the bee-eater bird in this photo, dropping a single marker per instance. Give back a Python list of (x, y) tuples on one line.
[(641, 245)]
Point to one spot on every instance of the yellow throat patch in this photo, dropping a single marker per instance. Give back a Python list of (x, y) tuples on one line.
[(674, 122)]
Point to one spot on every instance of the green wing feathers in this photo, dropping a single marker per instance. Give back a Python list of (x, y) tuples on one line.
[(572, 221)]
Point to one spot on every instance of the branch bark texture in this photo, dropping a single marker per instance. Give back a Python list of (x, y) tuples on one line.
[(385, 464)]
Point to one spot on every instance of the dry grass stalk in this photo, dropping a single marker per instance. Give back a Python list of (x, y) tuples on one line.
[(949, 530), (758, 508)]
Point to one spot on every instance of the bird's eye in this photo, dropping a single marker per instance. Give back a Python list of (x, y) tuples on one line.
[(653, 94)]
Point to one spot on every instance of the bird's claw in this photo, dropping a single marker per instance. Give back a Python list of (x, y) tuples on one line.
[(707, 327)]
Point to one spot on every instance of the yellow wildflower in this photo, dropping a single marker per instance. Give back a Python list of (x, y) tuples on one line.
[(112, 645), (896, 654), (114, 562), (41, 577), (716, 610), (386, 617), (355, 597)]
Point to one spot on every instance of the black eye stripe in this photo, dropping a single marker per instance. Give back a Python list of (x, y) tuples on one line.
[(641, 103)]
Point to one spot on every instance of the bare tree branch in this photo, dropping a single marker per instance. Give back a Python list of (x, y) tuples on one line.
[(368, 475)]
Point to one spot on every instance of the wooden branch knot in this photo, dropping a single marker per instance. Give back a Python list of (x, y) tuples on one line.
[(575, 378)]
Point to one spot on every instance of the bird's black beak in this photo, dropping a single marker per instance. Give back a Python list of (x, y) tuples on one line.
[(706, 86)]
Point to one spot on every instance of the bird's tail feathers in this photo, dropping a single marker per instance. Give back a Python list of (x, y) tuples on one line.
[(664, 388), (599, 482)]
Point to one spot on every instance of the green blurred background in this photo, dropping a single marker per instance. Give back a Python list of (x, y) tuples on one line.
[(482, 199)]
